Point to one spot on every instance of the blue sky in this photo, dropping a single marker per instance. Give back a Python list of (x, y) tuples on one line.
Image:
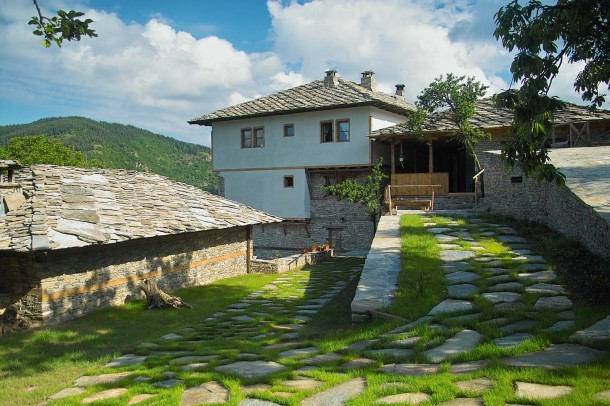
[(158, 63)]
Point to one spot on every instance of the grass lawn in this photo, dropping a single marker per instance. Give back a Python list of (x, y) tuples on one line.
[(39, 363)]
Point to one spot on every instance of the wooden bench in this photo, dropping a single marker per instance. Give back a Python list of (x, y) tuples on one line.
[(421, 196)]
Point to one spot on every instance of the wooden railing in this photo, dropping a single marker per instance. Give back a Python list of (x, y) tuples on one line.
[(402, 195), (421, 179)]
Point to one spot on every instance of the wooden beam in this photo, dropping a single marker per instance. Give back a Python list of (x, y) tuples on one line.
[(392, 159), (248, 249), (430, 157)]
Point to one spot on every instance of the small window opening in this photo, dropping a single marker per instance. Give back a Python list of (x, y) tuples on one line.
[(326, 131), (288, 181), (288, 130)]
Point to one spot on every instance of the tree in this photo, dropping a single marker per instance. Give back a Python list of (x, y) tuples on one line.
[(368, 192), (40, 149), (544, 36), (456, 95), (65, 25)]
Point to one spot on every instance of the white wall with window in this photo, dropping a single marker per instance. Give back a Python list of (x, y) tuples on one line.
[(284, 192)]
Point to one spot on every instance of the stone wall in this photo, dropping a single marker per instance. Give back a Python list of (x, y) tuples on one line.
[(72, 282), (508, 193), (290, 263), (326, 212)]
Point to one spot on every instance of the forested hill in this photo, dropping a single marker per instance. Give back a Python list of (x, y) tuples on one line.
[(121, 146)]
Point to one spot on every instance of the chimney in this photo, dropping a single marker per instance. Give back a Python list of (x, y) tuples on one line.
[(331, 78), (368, 80), (400, 91)]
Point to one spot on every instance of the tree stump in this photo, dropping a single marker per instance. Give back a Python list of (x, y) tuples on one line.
[(158, 299)]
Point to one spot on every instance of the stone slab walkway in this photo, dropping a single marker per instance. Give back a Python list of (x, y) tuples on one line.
[(278, 367)]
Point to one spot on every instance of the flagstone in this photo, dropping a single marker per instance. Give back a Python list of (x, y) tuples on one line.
[(410, 398), (148, 345), (518, 326), (468, 367), (598, 331), (206, 393), (451, 306), (557, 356), (466, 318), (321, 359), (501, 297), (601, 396), (67, 393), (456, 266), (194, 358), (140, 398), (499, 278), (410, 369), (361, 345), (553, 303), (511, 239), (462, 342), (476, 386), (391, 352), (171, 336), (463, 402), (497, 271), (508, 307), (107, 394), (534, 267), (297, 352), (461, 277), (545, 289), (562, 325), (358, 363), (411, 325), (529, 390), (405, 342), (566, 315), (259, 387), (512, 340), (337, 395), (302, 383), (439, 230), (445, 238), (195, 366), (168, 383), (461, 291), (456, 255), (242, 318), (251, 369), (104, 379), (509, 286), (126, 360)]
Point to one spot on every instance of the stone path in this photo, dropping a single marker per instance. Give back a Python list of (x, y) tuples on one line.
[(507, 298)]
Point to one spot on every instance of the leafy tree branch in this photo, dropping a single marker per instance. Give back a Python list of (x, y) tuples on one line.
[(544, 36), (454, 97), (65, 25)]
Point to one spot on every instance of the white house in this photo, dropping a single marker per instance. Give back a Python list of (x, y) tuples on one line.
[(274, 153)]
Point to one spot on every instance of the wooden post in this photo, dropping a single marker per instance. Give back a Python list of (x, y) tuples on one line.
[(392, 159), (430, 157), (248, 249)]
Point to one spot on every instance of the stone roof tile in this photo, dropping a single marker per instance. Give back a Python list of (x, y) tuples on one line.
[(102, 206), (309, 97), (488, 116)]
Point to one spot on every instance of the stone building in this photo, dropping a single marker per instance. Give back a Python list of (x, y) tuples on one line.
[(276, 152), (74, 240)]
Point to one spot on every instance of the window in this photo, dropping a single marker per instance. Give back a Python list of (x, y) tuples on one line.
[(246, 138), (288, 181), (342, 130), (253, 138), (288, 130), (326, 131), (259, 134)]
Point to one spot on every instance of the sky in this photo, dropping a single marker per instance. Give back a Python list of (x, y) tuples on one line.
[(157, 64)]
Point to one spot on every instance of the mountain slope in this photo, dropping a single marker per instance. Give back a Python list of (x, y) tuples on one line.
[(121, 146)]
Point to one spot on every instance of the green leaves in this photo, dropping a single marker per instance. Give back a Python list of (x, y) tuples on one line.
[(40, 149), (367, 192), (456, 95), (65, 25)]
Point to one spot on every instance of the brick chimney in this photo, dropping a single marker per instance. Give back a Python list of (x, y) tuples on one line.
[(400, 91), (331, 78), (368, 80)]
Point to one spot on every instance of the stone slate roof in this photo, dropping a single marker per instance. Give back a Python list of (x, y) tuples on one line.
[(488, 116), (73, 207), (312, 96)]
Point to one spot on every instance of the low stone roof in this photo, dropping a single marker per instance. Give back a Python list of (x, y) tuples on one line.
[(56, 207), (489, 116), (309, 97)]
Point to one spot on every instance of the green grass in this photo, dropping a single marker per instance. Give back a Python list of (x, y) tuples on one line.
[(421, 284), (39, 363)]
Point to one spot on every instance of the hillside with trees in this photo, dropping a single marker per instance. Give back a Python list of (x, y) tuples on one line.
[(119, 146)]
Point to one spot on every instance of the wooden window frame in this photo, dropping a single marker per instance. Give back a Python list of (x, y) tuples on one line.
[(243, 137), (287, 126), (289, 181), (331, 126), (338, 131), (255, 138)]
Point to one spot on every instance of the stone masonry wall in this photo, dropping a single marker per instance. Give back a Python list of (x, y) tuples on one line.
[(544, 202), (76, 281), (326, 212)]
